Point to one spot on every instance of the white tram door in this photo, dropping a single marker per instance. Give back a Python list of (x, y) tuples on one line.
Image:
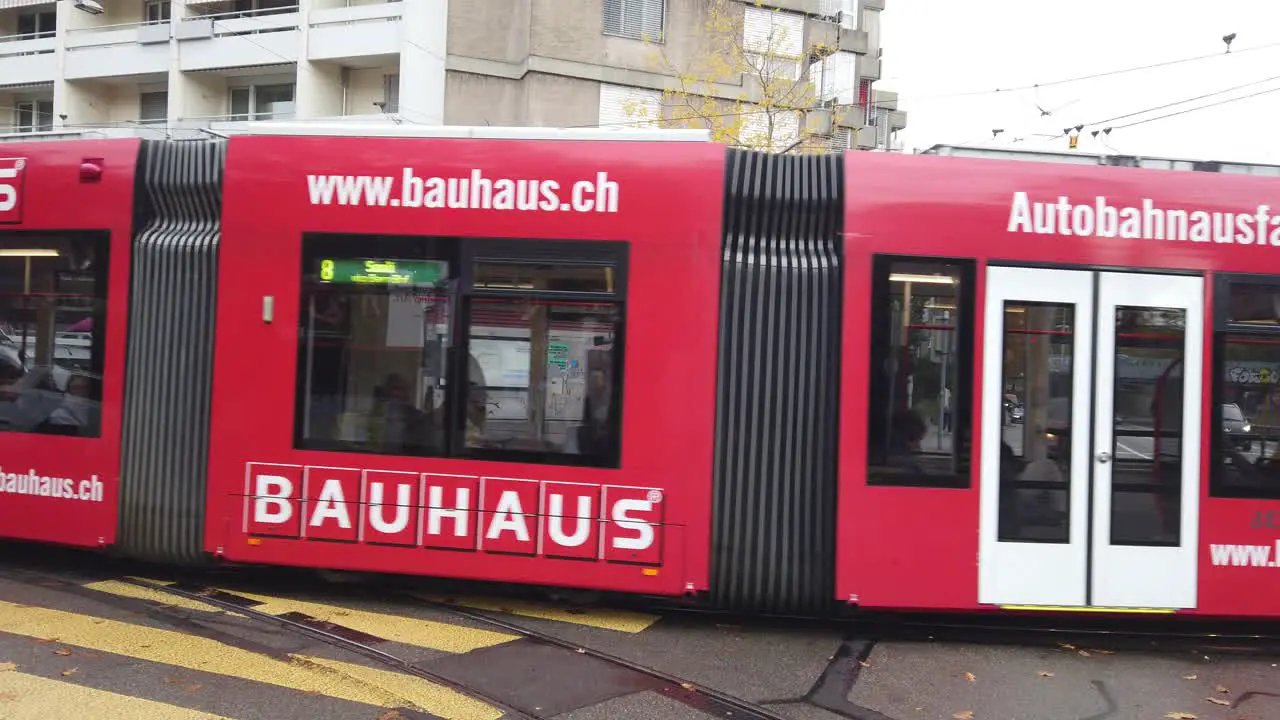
[(1090, 498)]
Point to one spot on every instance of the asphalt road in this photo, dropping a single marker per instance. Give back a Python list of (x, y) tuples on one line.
[(82, 640)]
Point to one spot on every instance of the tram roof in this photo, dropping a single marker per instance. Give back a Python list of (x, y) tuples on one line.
[(1105, 159)]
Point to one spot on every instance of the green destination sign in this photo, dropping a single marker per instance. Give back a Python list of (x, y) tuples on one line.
[(367, 271)]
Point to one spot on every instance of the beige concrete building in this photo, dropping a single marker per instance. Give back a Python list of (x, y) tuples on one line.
[(591, 62), (176, 66)]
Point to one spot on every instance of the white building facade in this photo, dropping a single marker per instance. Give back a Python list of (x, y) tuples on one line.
[(177, 66)]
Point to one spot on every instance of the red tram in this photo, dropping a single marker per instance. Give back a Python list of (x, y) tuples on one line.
[(639, 362)]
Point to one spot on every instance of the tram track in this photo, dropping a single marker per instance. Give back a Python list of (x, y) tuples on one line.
[(705, 700), (1070, 633)]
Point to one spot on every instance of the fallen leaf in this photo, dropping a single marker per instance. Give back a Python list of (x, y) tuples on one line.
[(1105, 652), (193, 687), (7, 666), (7, 696), (1066, 646), (1222, 690), (1182, 716), (688, 686), (173, 681), (62, 651), (46, 641), (964, 715), (1084, 653), (1044, 673), (390, 715), (1219, 701), (580, 650), (1190, 677), (864, 663), (72, 671), (969, 676)]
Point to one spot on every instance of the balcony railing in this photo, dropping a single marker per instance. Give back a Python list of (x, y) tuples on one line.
[(27, 44), (230, 24), (26, 59), (357, 31), (239, 39), (119, 34)]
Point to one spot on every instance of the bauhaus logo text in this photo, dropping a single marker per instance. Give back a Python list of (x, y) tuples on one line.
[(614, 523)]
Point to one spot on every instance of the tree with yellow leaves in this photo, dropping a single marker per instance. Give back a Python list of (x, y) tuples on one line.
[(750, 83)]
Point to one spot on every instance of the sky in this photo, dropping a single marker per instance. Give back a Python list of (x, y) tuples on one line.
[(946, 57)]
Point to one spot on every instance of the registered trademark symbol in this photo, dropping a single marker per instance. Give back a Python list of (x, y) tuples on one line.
[(20, 164), (655, 496)]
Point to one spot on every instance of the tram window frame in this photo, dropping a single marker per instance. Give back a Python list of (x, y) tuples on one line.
[(1224, 332), (879, 386), (98, 243), (459, 292)]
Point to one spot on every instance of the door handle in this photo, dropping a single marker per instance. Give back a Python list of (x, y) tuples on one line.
[(1104, 457)]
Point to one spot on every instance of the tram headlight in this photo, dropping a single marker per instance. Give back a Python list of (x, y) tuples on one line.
[(1247, 428)]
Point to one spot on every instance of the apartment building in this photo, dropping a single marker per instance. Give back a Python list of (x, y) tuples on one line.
[(177, 66)]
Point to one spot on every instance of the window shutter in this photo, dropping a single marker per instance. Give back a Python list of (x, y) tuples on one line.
[(629, 107), (639, 19), (841, 139), (773, 32), (841, 78), (849, 12), (391, 92), (153, 107), (786, 130)]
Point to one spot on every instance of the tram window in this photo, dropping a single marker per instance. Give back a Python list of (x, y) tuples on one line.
[(918, 430), (1245, 415), (487, 349), (1035, 457), (544, 336), (1146, 476), (53, 290)]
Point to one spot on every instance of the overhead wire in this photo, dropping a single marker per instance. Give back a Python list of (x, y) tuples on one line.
[(892, 105), (1197, 109), (1104, 125)]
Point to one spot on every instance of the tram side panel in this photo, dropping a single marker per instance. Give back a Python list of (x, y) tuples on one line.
[(484, 359), (65, 221), (1150, 420)]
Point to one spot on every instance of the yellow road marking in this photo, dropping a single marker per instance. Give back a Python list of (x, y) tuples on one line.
[(335, 679), (30, 697), (129, 590), (619, 620), (399, 628), (1089, 609)]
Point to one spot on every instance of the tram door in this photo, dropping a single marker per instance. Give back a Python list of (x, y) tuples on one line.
[(1090, 465)]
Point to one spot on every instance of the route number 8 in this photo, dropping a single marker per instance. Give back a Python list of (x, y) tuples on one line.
[(326, 269)]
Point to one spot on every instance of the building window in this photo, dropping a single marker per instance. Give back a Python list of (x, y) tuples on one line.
[(33, 115), (484, 349), (53, 290), (153, 107), (391, 93), (156, 11), (37, 24), (262, 102), (639, 19), (1245, 414), (922, 321)]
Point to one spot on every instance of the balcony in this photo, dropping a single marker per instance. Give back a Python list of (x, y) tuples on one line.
[(117, 50), (361, 31), (238, 39), (25, 60)]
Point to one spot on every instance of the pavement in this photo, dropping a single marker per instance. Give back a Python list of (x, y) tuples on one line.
[(84, 640)]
